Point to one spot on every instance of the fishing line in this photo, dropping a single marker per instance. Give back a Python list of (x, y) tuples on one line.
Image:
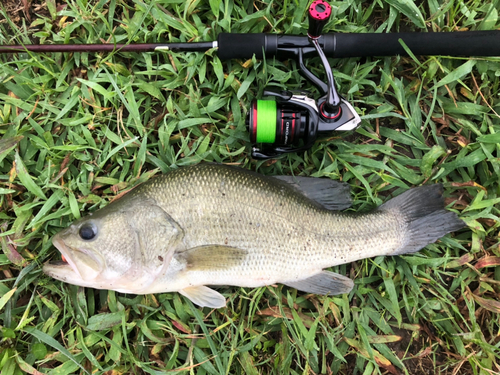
[(266, 121)]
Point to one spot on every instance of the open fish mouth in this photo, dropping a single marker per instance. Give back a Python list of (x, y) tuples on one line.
[(77, 266), (58, 263), (66, 258), (64, 269)]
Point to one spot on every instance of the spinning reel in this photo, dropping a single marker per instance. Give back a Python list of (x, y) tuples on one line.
[(292, 121)]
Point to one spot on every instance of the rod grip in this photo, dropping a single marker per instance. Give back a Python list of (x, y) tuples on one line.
[(464, 43), (244, 46)]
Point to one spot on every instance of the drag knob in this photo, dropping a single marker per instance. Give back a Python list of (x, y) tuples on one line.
[(319, 13)]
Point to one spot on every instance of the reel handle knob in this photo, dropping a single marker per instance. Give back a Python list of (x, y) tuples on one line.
[(319, 14)]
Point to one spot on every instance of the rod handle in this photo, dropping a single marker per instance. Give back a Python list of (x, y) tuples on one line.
[(461, 43), (244, 46)]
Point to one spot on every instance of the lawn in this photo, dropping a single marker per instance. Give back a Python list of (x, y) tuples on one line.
[(78, 129)]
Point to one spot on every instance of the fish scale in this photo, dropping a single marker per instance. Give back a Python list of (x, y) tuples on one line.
[(217, 225)]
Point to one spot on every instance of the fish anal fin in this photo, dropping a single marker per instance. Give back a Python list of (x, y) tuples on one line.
[(325, 282), (328, 193), (204, 296), (213, 257)]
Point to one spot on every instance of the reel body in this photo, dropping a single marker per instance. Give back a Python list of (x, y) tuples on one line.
[(292, 121)]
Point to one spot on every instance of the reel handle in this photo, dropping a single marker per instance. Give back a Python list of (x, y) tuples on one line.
[(319, 14), (291, 121)]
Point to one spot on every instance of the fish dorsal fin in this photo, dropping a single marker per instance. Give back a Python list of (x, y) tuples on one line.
[(213, 257), (325, 282), (204, 296), (330, 194)]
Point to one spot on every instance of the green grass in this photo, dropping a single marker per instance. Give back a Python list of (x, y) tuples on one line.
[(78, 129)]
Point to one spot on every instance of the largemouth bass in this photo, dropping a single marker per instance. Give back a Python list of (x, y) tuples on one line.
[(217, 225)]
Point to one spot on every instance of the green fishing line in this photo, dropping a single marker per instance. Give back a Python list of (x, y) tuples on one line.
[(266, 121)]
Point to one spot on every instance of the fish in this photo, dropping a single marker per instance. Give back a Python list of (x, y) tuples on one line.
[(212, 225)]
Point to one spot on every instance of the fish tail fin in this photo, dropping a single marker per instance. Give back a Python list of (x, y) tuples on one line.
[(426, 219)]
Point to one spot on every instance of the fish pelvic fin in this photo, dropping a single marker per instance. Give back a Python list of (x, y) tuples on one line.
[(204, 296), (325, 282), (426, 219)]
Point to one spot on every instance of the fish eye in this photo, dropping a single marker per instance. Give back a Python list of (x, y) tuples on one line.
[(87, 231)]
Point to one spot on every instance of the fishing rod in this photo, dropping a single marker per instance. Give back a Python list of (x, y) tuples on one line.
[(292, 120)]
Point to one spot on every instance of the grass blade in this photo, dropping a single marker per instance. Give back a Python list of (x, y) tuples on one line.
[(43, 337)]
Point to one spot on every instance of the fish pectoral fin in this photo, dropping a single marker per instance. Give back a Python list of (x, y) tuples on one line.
[(325, 282), (329, 194), (213, 257), (204, 296)]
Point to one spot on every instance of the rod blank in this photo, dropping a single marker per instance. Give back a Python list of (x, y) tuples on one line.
[(145, 47)]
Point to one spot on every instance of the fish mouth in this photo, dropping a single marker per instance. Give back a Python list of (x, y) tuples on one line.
[(66, 257), (65, 268), (76, 267), (58, 263)]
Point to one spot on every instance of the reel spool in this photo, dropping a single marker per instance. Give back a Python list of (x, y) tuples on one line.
[(291, 122), (279, 125)]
